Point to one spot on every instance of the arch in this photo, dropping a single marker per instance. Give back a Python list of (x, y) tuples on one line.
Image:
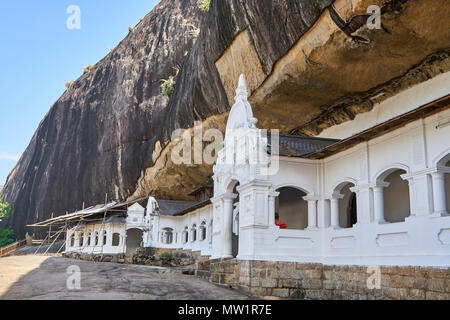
[(337, 187), (194, 233), (203, 231), (231, 184), (135, 227), (134, 239), (167, 235), (386, 171), (96, 239), (306, 190), (396, 197), (291, 210), (81, 239), (443, 165), (347, 205), (105, 238), (186, 234), (442, 159)]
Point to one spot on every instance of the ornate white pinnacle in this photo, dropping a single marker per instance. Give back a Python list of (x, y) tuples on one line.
[(241, 91)]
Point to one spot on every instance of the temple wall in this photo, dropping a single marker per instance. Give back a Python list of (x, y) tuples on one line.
[(318, 281), (178, 225)]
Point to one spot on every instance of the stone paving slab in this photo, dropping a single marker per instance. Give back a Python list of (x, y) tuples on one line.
[(42, 278)]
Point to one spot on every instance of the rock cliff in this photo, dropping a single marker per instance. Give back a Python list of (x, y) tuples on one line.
[(310, 64)]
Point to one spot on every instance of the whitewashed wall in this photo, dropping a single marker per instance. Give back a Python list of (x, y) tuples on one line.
[(422, 239), (101, 247), (158, 224)]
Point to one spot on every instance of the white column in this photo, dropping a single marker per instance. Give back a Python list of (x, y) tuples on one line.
[(272, 197), (312, 214), (439, 196), (323, 213), (378, 201), (334, 204), (312, 211), (412, 197), (227, 228), (77, 239)]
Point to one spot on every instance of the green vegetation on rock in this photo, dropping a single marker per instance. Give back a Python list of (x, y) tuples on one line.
[(166, 255), (6, 237), (4, 209), (168, 86), (204, 5)]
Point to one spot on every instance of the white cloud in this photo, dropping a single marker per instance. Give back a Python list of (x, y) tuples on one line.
[(9, 156)]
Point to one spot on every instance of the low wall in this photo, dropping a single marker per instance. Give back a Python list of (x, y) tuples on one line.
[(144, 256), (317, 281)]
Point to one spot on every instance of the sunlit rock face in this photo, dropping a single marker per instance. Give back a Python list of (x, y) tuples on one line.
[(309, 64)]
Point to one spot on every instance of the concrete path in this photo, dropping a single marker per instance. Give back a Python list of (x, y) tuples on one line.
[(40, 278)]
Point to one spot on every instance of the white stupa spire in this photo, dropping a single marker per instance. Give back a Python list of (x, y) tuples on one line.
[(241, 91)]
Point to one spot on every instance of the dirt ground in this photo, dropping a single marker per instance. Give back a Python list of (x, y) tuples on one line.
[(41, 278)]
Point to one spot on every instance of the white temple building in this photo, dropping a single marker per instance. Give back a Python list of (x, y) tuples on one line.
[(371, 191)]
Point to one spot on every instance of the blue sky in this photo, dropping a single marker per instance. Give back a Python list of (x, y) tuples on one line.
[(39, 54)]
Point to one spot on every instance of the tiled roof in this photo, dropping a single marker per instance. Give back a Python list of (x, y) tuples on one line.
[(298, 146), (172, 207)]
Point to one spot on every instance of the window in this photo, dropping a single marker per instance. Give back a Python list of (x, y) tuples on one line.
[(81, 239), (168, 236), (72, 240), (194, 233), (105, 238), (96, 239), (89, 239), (396, 198), (116, 239), (203, 231), (291, 208), (185, 235), (343, 206)]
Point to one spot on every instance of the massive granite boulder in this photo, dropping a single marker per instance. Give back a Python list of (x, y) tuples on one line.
[(310, 64), (99, 135)]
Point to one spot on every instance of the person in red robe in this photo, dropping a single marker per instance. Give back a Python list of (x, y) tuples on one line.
[(279, 223)]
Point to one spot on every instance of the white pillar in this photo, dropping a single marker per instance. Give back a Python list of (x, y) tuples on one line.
[(227, 228), (323, 213), (334, 212), (312, 214), (312, 211), (378, 201), (439, 196), (272, 197), (334, 204)]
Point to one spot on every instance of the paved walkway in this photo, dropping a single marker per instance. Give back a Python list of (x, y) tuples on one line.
[(39, 277)]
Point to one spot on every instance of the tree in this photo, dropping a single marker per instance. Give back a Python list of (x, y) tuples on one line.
[(4, 209), (6, 237)]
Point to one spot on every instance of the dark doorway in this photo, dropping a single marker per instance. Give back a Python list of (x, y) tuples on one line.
[(134, 239)]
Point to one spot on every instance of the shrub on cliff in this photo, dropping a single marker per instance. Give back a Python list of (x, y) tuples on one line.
[(87, 69), (4, 209), (68, 84), (204, 5), (167, 87), (6, 237)]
